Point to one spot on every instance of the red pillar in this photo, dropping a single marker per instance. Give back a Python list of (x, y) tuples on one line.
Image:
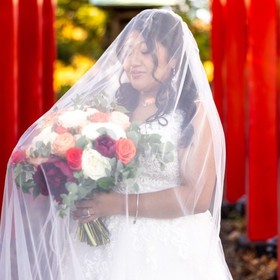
[(235, 99), (262, 134), (48, 53), (30, 63), (8, 84), (26, 69), (278, 113), (229, 55), (218, 54)]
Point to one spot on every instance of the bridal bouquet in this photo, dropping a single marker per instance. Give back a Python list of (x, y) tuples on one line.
[(82, 150)]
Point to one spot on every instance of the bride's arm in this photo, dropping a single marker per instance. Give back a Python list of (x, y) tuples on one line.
[(198, 174)]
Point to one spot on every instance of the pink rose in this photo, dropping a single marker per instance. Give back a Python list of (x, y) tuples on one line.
[(18, 156), (120, 119), (62, 143), (60, 129), (99, 117)]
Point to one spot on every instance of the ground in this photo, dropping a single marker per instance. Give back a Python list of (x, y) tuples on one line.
[(246, 261)]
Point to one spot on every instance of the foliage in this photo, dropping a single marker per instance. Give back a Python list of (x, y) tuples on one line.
[(81, 31), (80, 28)]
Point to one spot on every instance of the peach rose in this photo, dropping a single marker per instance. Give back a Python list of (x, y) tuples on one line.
[(99, 117), (62, 143), (120, 119), (125, 150)]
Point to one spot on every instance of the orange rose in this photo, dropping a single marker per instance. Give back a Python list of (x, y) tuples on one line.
[(99, 117), (125, 150), (62, 143)]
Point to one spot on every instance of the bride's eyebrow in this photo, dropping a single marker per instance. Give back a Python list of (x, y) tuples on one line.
[(131, 43)]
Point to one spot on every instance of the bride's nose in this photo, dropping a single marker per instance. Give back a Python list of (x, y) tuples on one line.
[(135, 57)]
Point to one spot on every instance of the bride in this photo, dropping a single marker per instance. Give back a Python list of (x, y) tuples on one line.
[(154, 186)]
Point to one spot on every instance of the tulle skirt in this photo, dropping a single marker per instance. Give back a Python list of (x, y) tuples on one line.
[(185, 248)]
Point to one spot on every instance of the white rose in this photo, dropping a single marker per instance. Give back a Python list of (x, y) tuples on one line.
[(94, 164), (91, 111), (46, 135), (120, 119), (114, 131), (73, 118)]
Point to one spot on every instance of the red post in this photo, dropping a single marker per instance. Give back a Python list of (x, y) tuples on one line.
[(218, 50), (30, 63), (48, 53), (8, 84), (229, 55), (278, 114), (235, 98), (26, 69), (263, 122)]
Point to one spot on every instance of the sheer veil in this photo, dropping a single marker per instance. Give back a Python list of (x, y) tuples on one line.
[(36, 226)]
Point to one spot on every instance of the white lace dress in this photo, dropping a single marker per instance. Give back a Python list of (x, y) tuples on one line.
[(153, 249)]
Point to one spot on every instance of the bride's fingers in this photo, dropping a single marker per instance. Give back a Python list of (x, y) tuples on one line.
[(82, 213)]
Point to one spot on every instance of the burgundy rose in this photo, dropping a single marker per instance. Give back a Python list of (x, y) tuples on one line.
[(105, 145), (51, 177)]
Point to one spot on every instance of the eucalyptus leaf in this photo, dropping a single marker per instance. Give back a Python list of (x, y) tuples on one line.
[(105, 183), (72, 188), (134, 136), (81, 142)]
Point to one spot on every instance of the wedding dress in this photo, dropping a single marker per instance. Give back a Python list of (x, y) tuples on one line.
[(153, 249)]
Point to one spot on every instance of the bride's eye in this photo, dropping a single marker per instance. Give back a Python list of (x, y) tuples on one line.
[(144, 49), (126, 52)]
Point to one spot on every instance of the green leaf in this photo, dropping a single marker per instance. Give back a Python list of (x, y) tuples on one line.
[(119, 166), (78, 175), (72, 188), (39, 144), (105, 183), (167, 147), (134, 136), (81, 142), (155, 138), (136, 187)]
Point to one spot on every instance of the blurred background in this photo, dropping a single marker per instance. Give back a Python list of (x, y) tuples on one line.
[(47, 46)]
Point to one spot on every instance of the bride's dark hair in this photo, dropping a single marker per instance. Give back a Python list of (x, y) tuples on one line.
[(169, 33)]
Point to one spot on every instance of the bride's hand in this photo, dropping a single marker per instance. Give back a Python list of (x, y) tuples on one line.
[(100, 205)]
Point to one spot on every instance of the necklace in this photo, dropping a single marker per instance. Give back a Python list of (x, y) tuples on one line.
[(148, 102)]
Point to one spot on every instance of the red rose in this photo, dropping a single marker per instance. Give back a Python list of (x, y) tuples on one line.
[(125, 150), (74, 158), (105, 145), (18, 156)]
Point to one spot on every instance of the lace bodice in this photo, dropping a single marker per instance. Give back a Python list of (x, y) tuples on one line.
[(153, 177)]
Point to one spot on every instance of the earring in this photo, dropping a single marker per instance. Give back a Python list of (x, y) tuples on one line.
[(173, 74)]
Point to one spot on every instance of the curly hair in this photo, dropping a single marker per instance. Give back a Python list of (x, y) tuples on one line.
[(128, 96)]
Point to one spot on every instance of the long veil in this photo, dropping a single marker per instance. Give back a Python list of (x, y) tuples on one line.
[(61, 158)]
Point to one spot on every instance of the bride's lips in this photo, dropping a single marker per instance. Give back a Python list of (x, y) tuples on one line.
[(135, 74)]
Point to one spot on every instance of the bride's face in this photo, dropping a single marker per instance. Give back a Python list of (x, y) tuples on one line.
[(139, 65)]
